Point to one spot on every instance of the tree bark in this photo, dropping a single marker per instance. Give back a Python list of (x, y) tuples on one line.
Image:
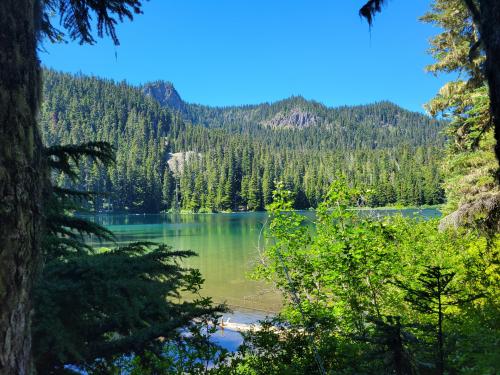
[(23, 180), (490, 34)]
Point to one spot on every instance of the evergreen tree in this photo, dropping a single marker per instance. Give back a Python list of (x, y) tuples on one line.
[(168, 189), (123, 299), (267, 183), (254, 193), (484, 14), (25, 175), (433, 294)]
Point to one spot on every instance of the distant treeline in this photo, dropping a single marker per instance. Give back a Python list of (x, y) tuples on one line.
[(388, 151)]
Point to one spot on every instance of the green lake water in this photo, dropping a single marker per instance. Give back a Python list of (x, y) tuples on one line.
[(226, 244)]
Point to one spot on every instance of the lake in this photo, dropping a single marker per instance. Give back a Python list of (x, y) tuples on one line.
[(227, 248)]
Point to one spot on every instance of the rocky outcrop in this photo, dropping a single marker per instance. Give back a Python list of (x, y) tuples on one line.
[(166, 94), (176, 161), (294, 118)]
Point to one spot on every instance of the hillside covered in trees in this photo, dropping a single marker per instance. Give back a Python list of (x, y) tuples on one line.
[(176, 155)]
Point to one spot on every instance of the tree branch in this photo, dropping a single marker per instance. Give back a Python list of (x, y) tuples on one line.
[(476, 16)]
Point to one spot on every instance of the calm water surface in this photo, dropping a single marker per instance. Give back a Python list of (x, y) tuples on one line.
[(226, 244)]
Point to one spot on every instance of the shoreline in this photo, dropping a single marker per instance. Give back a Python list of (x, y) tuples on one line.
[(382, 208)]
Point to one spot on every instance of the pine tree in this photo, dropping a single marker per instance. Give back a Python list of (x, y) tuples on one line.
[(254, 193), (168, 189), (486, 28), (135, 289), (267, 184), (433, 294)]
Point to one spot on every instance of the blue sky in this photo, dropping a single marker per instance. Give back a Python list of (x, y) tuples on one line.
[(227, 52)]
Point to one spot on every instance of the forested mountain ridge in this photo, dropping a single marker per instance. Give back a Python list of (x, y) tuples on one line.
[(239, 153), (381, 124)]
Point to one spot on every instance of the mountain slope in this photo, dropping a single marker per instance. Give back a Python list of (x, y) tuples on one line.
[(231, 157), (375, 125)]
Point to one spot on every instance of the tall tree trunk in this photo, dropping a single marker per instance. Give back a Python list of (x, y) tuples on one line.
[(490, 34), (23, 179)]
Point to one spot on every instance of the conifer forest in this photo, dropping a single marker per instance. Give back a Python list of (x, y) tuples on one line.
[(322, 196)]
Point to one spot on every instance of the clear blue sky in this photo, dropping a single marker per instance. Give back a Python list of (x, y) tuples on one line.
[(225, 52)]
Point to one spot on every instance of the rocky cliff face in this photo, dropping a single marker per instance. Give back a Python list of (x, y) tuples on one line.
[(166, 94), (294, 118), (176, 161)]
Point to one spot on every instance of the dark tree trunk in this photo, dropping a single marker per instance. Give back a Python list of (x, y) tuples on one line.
[(23, 179), (490, 35)]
